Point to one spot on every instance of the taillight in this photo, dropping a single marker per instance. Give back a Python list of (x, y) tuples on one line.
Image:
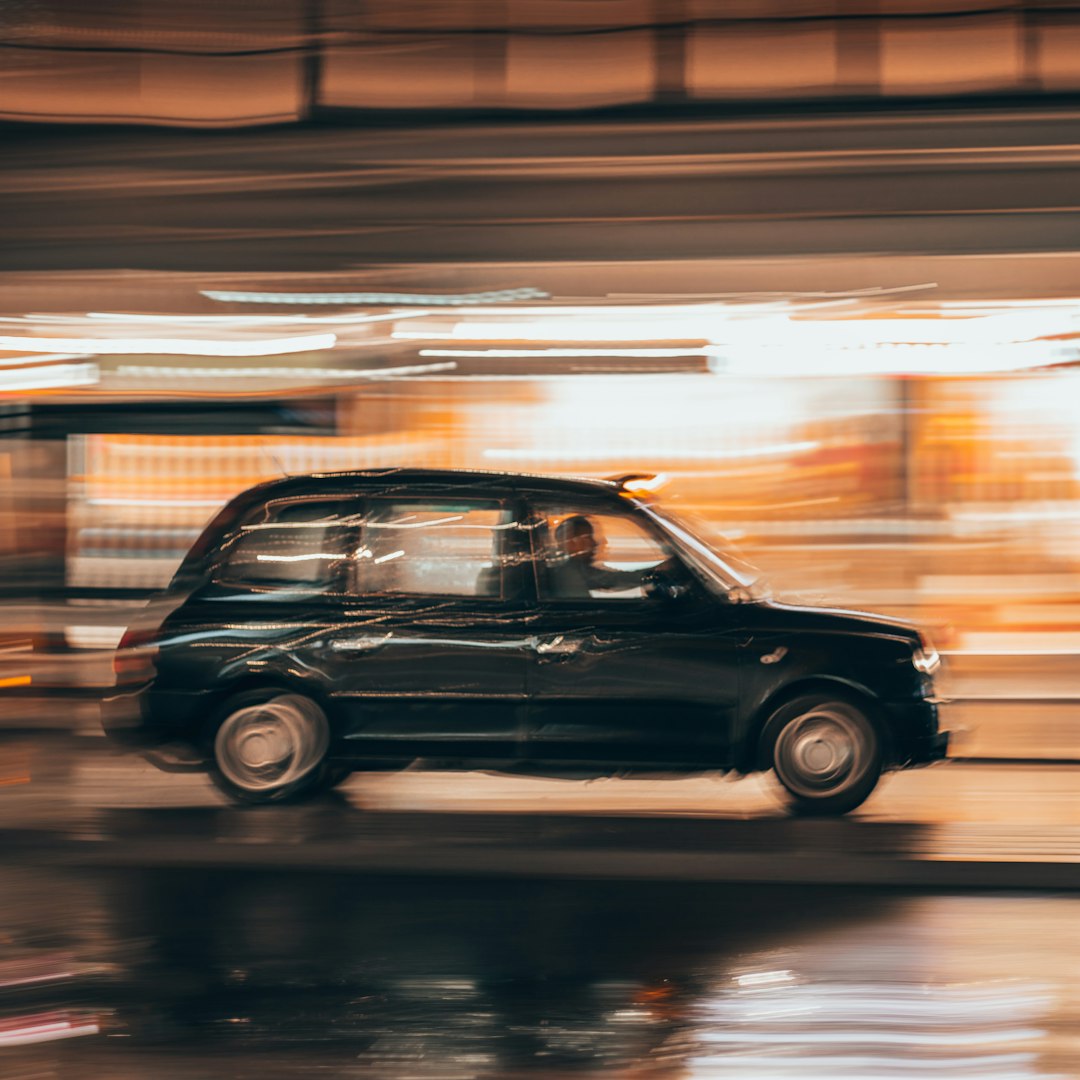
[(136, 656)]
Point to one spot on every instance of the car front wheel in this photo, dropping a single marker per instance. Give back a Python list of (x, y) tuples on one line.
[(270, 747), (827, 753)]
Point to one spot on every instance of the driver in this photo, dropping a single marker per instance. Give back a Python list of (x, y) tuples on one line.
[(578, 570)]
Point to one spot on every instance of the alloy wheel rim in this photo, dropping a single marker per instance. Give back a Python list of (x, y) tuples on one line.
[(823, 752), (272, 744)]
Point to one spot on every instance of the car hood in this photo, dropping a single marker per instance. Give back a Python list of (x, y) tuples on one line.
[(774, 615)]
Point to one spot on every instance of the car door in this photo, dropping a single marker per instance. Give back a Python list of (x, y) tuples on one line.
[(635, 663), (431, 654)]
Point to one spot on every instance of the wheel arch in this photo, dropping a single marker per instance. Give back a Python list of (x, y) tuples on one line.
[(756, 753)]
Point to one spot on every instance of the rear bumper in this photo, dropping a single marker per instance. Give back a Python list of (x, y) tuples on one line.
[(144, 717), (124, 720)]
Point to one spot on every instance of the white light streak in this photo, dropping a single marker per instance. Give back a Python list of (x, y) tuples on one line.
[(255, 320), (765, 978), (39, 358), (512, 354), (171, 346), (885, 359), (497, 296), (615, 452), (163, 372), (403, 524), (387, 558), (49, 377), (45, 1032), (878, 1036), (863, 1066), (154, 502), (311, 557)]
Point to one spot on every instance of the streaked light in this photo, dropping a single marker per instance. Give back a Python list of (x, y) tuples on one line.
[(884, 358), (251, 320), (865, 1066), (161, 371), (171, 346), (310, 557), (880, 1036), (510, 354), (646, 483), (765, 978), (44, 1029), (497, 296), (49, 377), (609, 452), (118, 501), (387, 558), (39, 358)]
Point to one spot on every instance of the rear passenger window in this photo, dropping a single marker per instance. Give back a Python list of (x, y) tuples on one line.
[(433, 549), (294, 544)]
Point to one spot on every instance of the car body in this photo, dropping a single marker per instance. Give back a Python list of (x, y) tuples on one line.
[(336, 622)]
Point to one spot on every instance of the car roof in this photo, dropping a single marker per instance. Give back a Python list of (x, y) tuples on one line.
[(460, 480)]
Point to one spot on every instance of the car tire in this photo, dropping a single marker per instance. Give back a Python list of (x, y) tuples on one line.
[(270, 746), (826, 753)]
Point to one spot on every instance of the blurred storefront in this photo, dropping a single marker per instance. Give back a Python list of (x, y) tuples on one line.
[(919, 457), (948, 499)]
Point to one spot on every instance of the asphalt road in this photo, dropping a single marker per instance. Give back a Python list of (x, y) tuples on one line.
[(959, 824), (437, 926), (325, 199), (180, 974)]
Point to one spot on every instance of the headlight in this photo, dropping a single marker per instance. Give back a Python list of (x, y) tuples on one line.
[(926, 658)]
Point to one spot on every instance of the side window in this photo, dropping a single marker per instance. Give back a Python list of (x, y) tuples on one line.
[(433, 548), (583, 556), (292, 544)]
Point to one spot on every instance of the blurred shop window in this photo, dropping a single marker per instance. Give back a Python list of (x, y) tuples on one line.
[(434, 549), (296, 544)]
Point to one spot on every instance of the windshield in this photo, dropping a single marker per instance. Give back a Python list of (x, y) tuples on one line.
[(726, 567)]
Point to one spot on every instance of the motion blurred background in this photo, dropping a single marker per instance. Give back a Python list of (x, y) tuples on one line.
[(242, 62), (814, 262)]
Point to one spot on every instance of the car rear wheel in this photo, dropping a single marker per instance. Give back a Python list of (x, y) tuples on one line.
[(271, 747), (827, 753)]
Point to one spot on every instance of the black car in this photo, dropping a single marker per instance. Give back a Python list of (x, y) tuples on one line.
[(546, 626)]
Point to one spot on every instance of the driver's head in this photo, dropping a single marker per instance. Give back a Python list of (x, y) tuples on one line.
[(575, 538)]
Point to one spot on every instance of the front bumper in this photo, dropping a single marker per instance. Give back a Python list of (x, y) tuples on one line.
[(932, 748), (916, 739)]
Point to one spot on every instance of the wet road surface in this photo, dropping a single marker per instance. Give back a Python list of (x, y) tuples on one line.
[(958, 824), (219, 973), (446, 926)]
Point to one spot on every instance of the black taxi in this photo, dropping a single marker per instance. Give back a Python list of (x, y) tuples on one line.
[(336, 622)]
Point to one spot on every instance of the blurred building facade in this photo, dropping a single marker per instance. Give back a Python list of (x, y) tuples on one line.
[(243, 62)]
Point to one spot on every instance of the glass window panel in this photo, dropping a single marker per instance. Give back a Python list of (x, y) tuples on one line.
[(301, 544), (433, 549)]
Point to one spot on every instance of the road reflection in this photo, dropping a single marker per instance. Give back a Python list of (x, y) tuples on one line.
[(446, 977)]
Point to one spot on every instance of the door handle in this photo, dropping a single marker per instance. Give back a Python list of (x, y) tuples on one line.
[(365, 643), (558, 646)]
